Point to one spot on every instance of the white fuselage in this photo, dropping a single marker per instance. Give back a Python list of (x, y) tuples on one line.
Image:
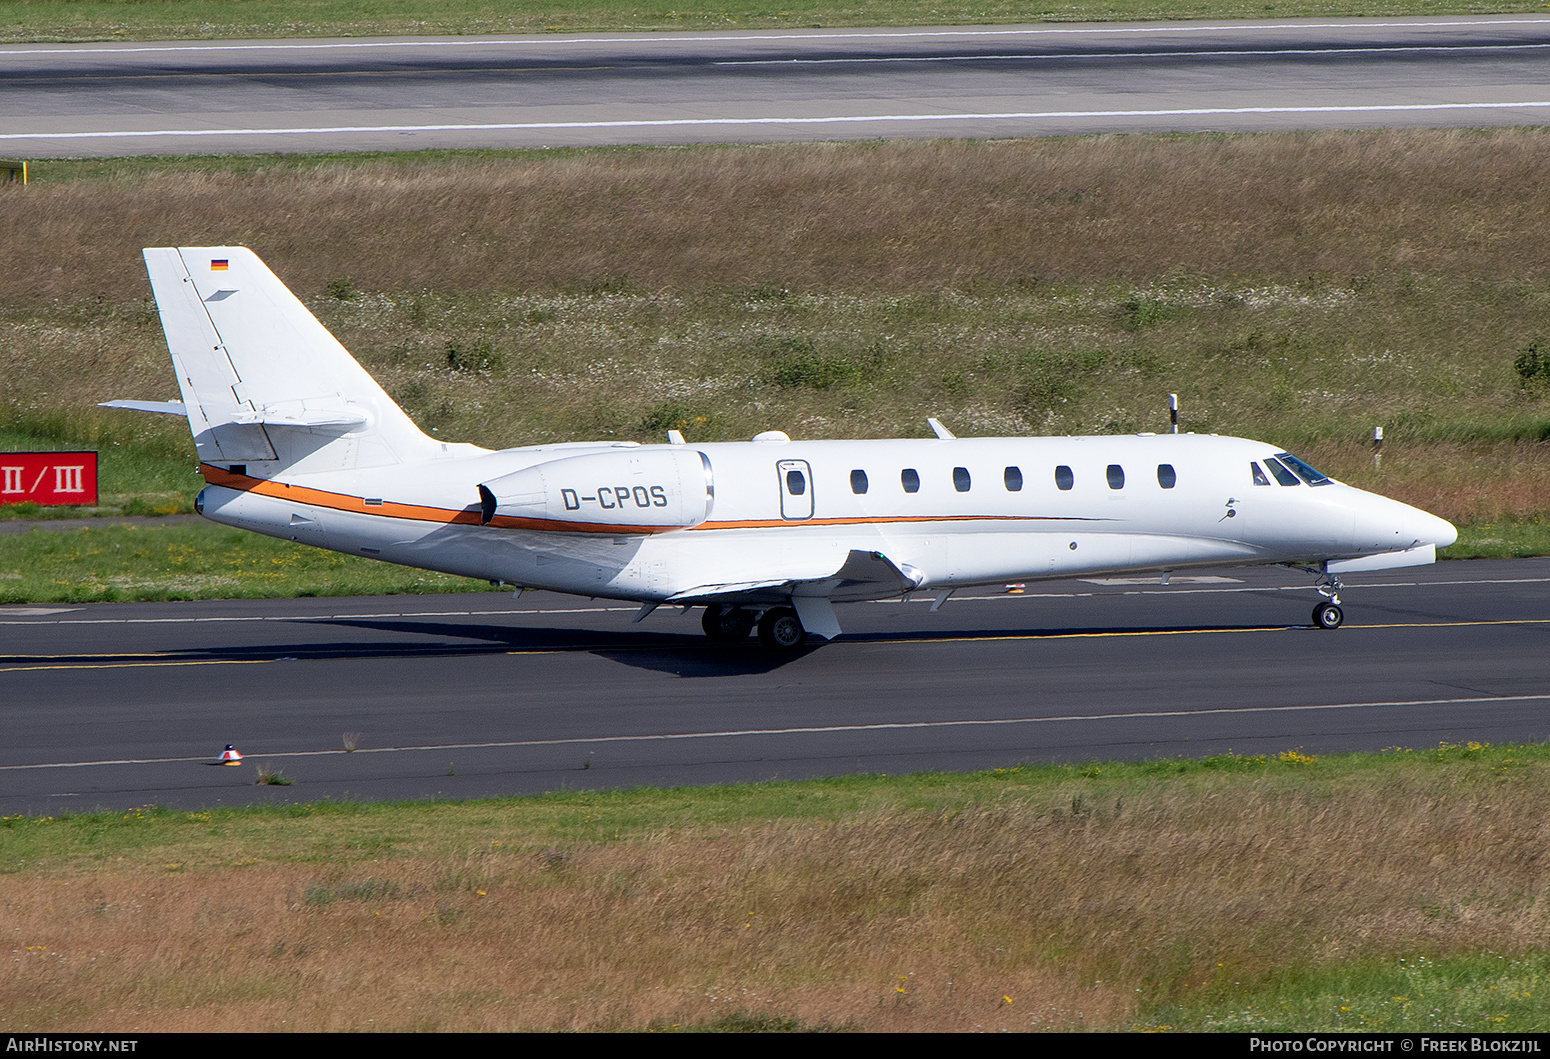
[(297, 440), (1184, 500)]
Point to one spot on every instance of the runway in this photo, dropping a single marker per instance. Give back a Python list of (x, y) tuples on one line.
[(357, 94), (473, 695)]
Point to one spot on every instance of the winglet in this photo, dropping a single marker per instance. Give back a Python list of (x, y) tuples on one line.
[(940, 431)]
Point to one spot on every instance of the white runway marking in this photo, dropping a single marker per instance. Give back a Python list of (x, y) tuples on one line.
[(848, 119), (1132, 54), (509, 612), (1185, 579), (632, 608), (814, 730), (710, 38)]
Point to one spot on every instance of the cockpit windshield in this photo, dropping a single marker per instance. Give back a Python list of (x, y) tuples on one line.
[(1302, 470), (1284, 476)]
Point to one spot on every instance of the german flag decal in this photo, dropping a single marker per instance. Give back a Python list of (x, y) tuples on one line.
[(218, 264)]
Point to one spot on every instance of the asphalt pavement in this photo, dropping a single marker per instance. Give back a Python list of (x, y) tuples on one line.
[(675, 88), (118, 705)]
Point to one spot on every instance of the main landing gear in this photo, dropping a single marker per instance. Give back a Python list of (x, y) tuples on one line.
[(1327, 614), (779, 627), (724, 624)]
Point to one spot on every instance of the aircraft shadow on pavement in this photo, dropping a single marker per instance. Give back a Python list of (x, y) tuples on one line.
[(679, 654), (684, 655), (691, 655)]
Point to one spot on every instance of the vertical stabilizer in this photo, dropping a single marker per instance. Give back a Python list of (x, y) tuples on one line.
[(263, 382)]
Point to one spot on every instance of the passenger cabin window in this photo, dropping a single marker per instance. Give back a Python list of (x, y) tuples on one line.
[(1259, 475), (1284, 476), (1116, 475), (796, 483), (910, 479), (1063, 477), (1165, 476), (1013, 476), (961, 481), (858, 484)]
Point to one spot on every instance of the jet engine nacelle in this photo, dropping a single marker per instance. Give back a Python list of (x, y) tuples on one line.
[(635, 490)]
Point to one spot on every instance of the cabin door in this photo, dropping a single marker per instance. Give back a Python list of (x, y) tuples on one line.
[(796, 489)]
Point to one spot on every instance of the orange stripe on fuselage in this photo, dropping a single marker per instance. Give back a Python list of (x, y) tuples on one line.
[(336, 501), (768, 523), (469, 516)]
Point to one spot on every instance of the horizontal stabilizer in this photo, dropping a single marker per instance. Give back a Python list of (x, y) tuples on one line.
[(309, 417), (171, 408)]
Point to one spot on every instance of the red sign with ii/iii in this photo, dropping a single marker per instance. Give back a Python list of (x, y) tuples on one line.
[(48, 477)]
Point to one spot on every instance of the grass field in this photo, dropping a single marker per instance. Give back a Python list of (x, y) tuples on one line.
[(73, 20), (199, 561), (1402, 891)]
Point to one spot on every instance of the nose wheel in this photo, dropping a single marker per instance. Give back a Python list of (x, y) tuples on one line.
[(1328, 615)]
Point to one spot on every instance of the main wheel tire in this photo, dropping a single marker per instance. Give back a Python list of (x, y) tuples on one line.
[(724, 624), (1328, 616), (781, 629)]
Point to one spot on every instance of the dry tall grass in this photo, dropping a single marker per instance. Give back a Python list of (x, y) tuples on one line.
[(1073, 905), (895, 217)]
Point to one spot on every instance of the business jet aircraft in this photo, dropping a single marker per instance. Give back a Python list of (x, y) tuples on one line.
[(296, 440)]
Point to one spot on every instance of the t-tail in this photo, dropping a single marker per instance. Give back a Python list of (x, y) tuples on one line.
[(265, 386)]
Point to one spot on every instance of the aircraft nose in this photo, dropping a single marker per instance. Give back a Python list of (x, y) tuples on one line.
[(1429, 529), (1385, 524)]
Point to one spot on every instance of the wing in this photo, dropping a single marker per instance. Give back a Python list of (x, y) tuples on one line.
[(863, 575)]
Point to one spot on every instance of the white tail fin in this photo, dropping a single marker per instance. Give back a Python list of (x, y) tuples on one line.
[(263, 381)]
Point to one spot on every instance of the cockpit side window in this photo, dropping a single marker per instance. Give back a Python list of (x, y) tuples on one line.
[(1284, 476), (1302, 470), (1259, 475)]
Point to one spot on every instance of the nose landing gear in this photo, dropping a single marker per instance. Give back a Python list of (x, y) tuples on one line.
[(1327, 614)]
